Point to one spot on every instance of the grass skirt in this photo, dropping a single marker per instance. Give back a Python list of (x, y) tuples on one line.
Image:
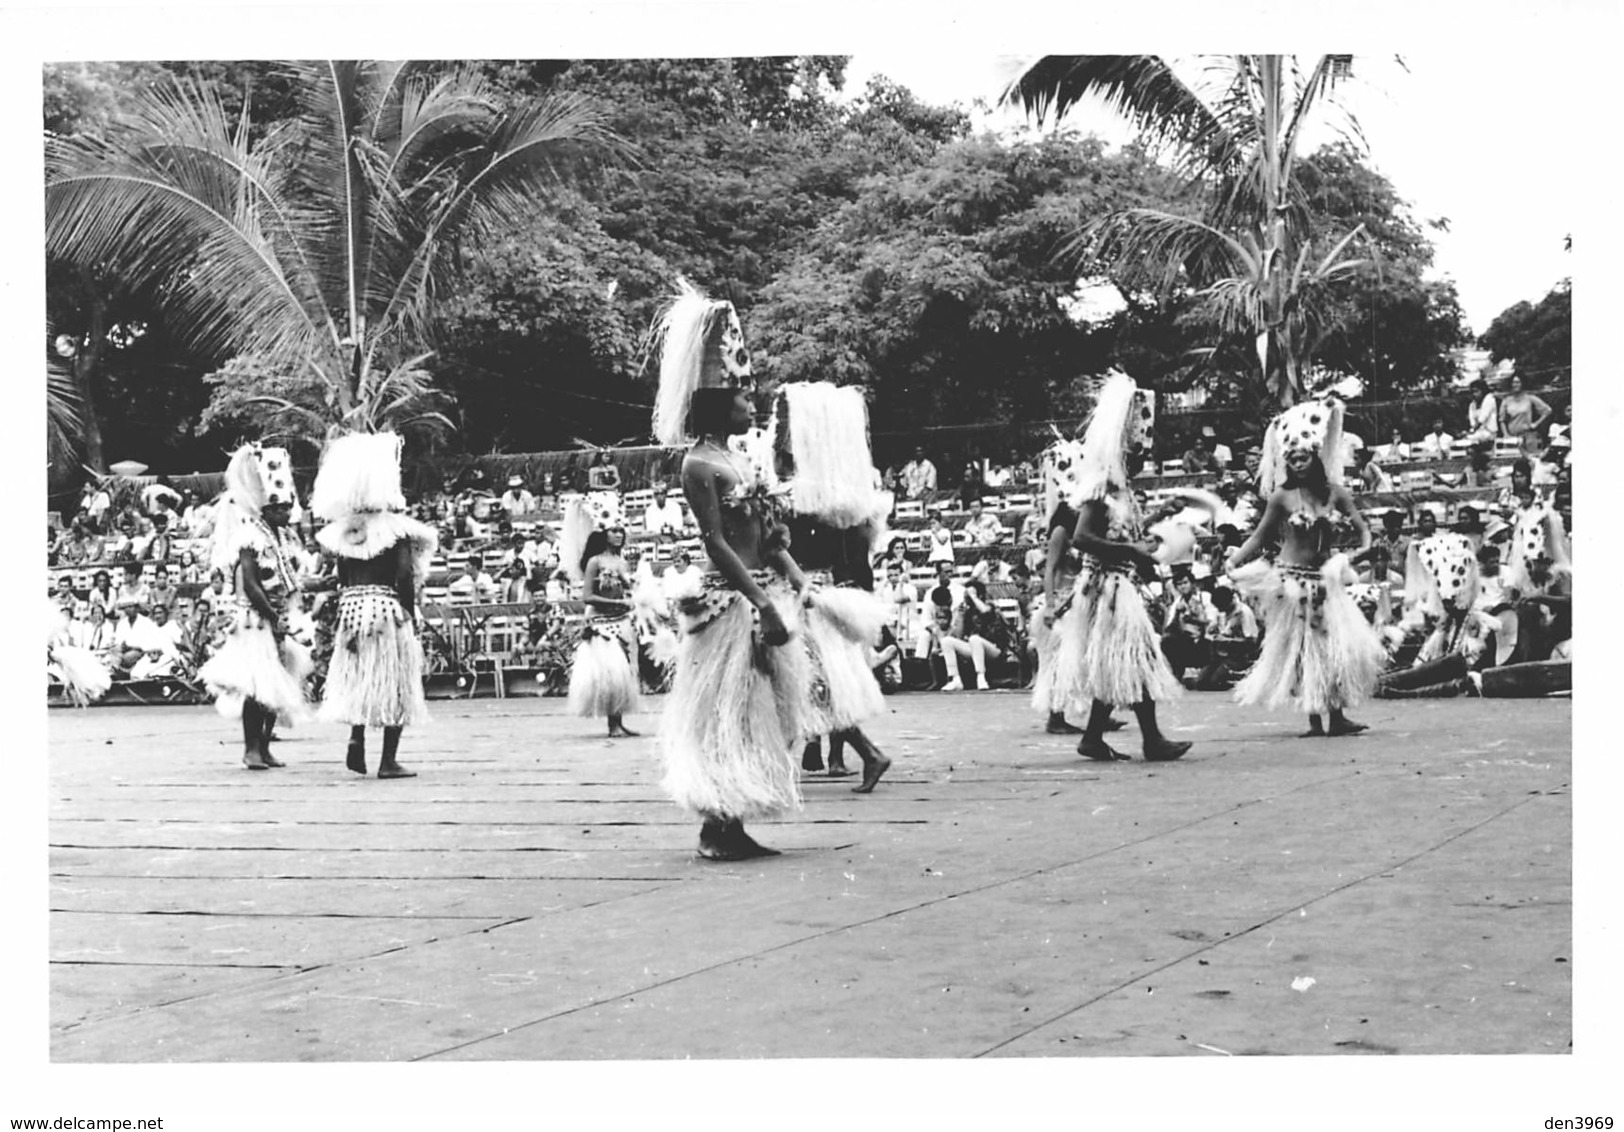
[(840, 623), (375, 676), (1109, 649), (83, 674), (738, 710), (603, 679), (1319, 653), (249, 665), (1048, 695)]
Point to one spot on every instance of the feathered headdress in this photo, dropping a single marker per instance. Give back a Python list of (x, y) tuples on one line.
[(257, 477), (1538, 534), (1123, 421), (358, 488), (1440, 573), (1314, 426), (596, 511), (1061, 465), (834, 478), (701, 345)]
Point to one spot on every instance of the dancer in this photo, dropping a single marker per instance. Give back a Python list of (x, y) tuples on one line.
[(375, 676), (839, 516), (85, 678), (1319, 652), (259, 671), (738, 703), (603, 676), (1110, 651)]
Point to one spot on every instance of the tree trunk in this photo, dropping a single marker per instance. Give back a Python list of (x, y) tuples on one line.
[(85, 364)]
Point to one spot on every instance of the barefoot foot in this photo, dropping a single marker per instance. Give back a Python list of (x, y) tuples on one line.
[(876, 766), (1059, 726), (727, 841), (395, 770), (253, 760), (1345, 726), (622, 732), (840, 770), (1114, 724), (1100, 751), (355, 758), (271, 760), (1166, 750)]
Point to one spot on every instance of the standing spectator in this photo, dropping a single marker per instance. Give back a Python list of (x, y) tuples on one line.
[(473, 584), (984, 529), (517, 500), (1563, 427), (940, 542), (98, 504), (663, 517), (162, 593), (603, 475), (1522, 415), (919, 477), (1436, 445), (972, 486), (158, 498), (1482, 414)]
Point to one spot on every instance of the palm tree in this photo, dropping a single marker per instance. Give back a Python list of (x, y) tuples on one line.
[(1252, 250), (318, 251)]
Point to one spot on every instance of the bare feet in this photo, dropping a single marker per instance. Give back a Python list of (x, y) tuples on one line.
[(253, 760), (1165, 750), (876, 765), (1100, 751), (1059, 726), (622, 732), (355, 757), (270, 759), (812, 757), (1114, 724), (395, 770), (727, 841), (840, 770), (1345, 726)]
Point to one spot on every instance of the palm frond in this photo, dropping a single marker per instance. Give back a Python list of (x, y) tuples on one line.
[(1160, 247), (64, 413)]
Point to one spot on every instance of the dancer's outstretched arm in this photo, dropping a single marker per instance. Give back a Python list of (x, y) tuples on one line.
[(1267, 530)]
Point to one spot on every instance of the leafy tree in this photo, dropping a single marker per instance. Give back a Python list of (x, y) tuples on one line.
[(1538, 337), (1254, 250), (322, 247)]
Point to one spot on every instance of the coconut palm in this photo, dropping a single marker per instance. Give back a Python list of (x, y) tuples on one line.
[(318, 251), (64, 414), (1251, 249)]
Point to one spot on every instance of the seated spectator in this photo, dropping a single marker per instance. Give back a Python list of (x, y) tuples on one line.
[(1187, 625), (940, 542), (133, 589), (663, 517), (1378, 567), (146, 532), (214, 597), (514, 588), (603, 475), (983, 630), (1437, 444), (1032, 527), (134, 636), (971, 485), (558, 587), (171, 652), (517, 500), (997, 476), (984, 529), (1232, 645), (1372, 476), (101, 591), (188, 570), (919, 477), (682, 578), (73, 548), (1394, 451), (64, 597), (162, 592), (1198, 458), (473, 584), (1544, 613)]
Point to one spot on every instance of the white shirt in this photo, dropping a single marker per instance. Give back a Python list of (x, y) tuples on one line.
[(680, 583), (941, 546), (996, 476), (1436, 445), (985, 530), (660, 518), (1222, 454), (138, 634), (1394, 452), (473, 588), (519, 502), (1484, 417)]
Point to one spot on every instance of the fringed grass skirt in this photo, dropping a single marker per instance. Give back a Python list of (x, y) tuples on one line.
[(738, 710), (250, 665), (841, 622), (1109, 649), (375, 676), (84, 675), (603, 677), (1048, 695), (1319, 653)]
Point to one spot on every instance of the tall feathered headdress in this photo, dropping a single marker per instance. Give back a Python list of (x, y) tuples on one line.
[(1538, 534), (1123, 421), (701, 345), (834, 477), (357, 488), (596, 511), (1314, 426), (1061, 467), (1441, 573), (256, 477)]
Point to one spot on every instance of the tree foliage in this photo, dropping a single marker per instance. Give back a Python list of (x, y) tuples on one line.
[(1538, 337)]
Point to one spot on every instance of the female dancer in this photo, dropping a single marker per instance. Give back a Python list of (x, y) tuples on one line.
[(259, 671), (1061, 464), (838, 516), (1318, 652), (603, 677), (1110, 651), (375, 676), (738, 705)]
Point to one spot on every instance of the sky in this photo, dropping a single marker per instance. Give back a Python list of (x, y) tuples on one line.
[(1454, 140)]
